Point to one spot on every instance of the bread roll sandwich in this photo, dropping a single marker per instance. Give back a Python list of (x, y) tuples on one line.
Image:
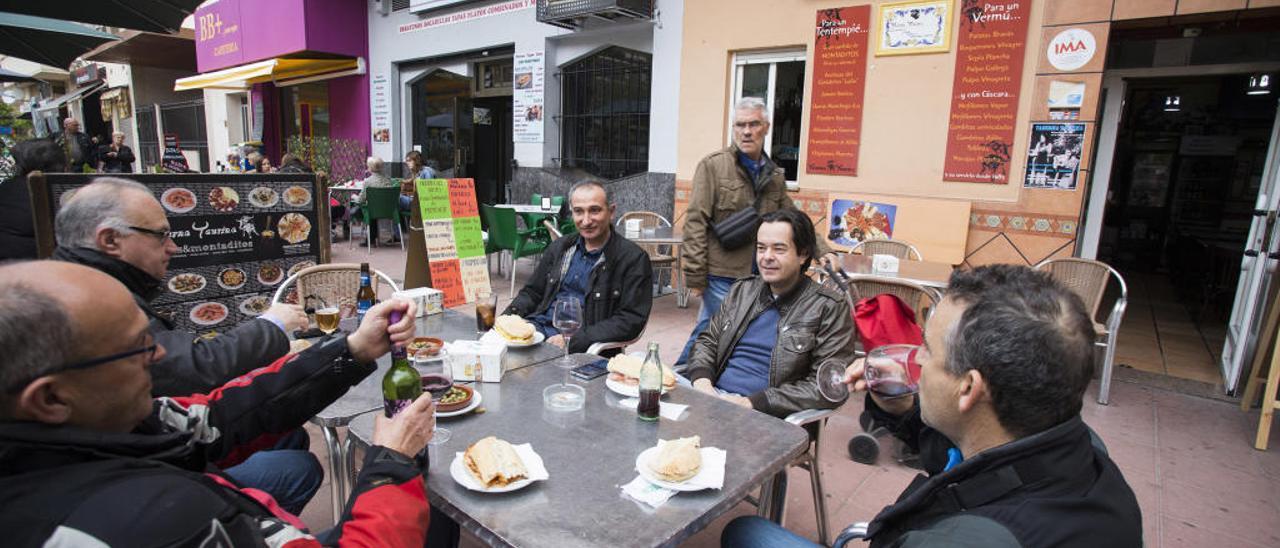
[(514, 328), (626, 369), (494, 463), (677, 460)]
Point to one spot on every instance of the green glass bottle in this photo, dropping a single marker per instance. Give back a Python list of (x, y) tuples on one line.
[(650, 385), (402, 384)]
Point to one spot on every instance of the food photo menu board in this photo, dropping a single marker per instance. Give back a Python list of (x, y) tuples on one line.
[(839, 85), (238, 237), (455, 246), (984, 94)]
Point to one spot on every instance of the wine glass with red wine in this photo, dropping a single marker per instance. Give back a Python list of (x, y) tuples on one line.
[(892, 370), (437, 378)]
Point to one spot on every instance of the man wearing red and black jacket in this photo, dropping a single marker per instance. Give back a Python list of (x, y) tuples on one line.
[(88, 458)]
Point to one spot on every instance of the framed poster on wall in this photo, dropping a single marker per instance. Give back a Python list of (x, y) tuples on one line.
[(914, 26)]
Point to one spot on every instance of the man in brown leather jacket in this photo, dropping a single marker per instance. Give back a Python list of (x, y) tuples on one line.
[(726, 181), (762, 349)]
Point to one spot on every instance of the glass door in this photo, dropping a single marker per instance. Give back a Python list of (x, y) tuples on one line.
[(442, 125), (1257, 267)]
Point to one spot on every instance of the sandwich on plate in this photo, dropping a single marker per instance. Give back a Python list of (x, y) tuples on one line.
[(677, 460), (494, 463), (514, 329), (626, 369)]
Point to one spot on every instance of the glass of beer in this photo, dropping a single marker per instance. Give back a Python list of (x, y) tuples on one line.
[(327, 319), (486, 312)]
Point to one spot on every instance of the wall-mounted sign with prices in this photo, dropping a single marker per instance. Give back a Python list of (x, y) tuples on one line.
[(839, 85)]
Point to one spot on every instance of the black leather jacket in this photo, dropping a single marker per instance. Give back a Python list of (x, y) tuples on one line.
[(814, 326), (619, 291)]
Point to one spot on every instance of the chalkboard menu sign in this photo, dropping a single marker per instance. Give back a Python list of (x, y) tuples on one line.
[(238, 237)]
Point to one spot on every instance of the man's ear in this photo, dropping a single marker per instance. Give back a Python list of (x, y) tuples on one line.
[(108, 241), (973, 390), (42, 401)]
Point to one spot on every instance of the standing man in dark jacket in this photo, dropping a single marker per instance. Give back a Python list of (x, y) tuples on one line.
[(88, 458), (727, 181), (763, 347), (80, 151), (115, 157), (607, 273), (1008, 355)]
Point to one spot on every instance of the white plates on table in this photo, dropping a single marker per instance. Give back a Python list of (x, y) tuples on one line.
[(628, 390), (475, 402), (538, 337), (532, 463), (696, 483)]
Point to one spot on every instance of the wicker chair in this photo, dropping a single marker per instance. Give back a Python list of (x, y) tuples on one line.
[(1089, 279), (897, 248), (333, 284), (660, 256)]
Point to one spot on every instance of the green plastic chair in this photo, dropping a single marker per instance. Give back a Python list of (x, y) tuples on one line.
[(504, 235), (380, 203)]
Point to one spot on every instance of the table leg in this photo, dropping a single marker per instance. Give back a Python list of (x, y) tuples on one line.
[(337, 466), (349, 465), (682, 293)]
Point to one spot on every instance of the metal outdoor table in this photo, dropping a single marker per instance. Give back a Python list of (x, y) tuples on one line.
[(590, 454), (530, 208), (665, 235), (926, 273), (366, 396)]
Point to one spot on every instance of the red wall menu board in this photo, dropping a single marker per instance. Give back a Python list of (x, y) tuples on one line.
[(839, 82), (455, 247), (984, 100), (238, 236)]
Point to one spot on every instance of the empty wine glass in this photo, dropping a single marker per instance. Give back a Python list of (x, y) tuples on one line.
[(437, 378), (891, 371), (566, 317), (831, 382)]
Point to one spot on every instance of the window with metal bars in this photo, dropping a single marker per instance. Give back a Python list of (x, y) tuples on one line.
[(605, 113)]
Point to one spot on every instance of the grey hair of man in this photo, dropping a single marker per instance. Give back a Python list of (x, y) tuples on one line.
[(753, 103), (36, 335), (608, 196), (375, 164), (100, 204)]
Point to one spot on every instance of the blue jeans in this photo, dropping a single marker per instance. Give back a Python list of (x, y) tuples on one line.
[(717, 288), (757, 532), (288, 472)]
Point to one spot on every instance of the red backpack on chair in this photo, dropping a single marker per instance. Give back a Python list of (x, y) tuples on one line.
[(885, 319)]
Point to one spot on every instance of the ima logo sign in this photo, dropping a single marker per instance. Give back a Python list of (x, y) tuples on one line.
[(1071, 49)]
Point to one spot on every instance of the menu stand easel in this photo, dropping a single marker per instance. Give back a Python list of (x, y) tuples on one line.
[(1266, 346)]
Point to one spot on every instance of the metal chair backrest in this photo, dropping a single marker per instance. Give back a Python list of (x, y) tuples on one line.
[(920, 299), (334, 284), (897, 248), (381, 203), (648, 219), (502, 226), (1087, 278)]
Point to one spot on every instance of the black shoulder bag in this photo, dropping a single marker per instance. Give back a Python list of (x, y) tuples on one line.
[(739, 229)]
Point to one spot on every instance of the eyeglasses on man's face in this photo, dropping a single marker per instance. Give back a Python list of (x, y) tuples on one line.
[(149, 347), (161, 235), (752, 125)]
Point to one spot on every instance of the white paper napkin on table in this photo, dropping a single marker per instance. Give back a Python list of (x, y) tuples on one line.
[(535, 470), (669, 411), (640, 489)]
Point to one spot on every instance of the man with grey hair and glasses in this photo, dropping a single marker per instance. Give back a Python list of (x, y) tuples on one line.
[(118, 227), (732, 187)]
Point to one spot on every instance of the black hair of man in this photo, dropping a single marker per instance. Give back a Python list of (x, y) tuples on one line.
[(1030, 338), (802, 237)]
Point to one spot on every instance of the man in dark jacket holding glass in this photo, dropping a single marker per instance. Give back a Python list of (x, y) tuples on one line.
[(1008, 355)]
